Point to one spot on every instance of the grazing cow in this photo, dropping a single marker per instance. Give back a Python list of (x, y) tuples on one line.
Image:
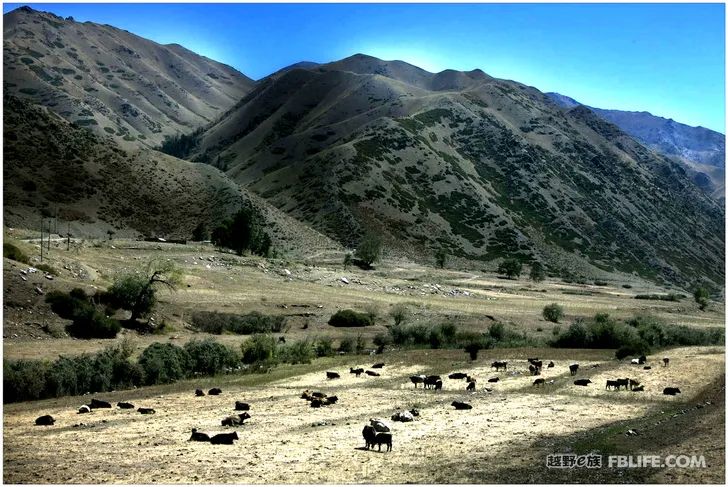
[(499, 365), (612, 384), (403, 416), (539, 382), (46, 420), (215, 391), (378, 366), (582, 382), (357, 372), (647, 367), (96, 404), (417, 379), (124, 405), (623, 383), (633, 383), (242, 406), (550, 365), (471, 386), (493, 379), (642, 359), (369, 433), (438, 385), (330, 400), (573, 368), (372, 373), (199, 393), (536, 363), (224, 438), (671, 391), (461, 405), (383, 438), (235, 420), (84, 409), (534, 370), (146, 411), (197, 436), (638, 389), (665, 362), (457, 376), (430, 381), (332, 375)]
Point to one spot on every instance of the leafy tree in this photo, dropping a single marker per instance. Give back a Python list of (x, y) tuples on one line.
[(347, 259), (243, 232), (259, 348), (510, 268), (538, 273), (369, 249), (399, 313), (553, 312), (200, 232), (137, 291), (164, 363), (702, 296), (441, 258)]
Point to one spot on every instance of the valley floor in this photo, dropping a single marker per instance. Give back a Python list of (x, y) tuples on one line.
[(504, 438)]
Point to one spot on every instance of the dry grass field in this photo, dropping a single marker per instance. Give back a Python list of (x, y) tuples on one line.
[(504, 438)]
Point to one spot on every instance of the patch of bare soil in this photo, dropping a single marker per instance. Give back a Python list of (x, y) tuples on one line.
[(286, 441)]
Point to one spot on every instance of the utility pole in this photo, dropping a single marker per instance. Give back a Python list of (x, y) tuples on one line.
[(68, 237), (41, 239)]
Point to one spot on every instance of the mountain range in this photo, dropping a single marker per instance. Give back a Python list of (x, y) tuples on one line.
[(479, 167)]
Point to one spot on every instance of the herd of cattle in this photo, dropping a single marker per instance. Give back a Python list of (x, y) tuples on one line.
[(378, 432)]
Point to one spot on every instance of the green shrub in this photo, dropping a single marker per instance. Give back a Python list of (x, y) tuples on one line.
[(510, 268), (349, 318), (497, 331), (399, 313), (11, 251), (259, 348), (47, 269), (243, 232), (346, 345), (164, 363), (381, 341), (553, 312), (255, 322), (89, 322), (369, 249), (702, 297), (361, 344), (324, 347), (209, 357), (25, 380), (299, 352), (660, 297)]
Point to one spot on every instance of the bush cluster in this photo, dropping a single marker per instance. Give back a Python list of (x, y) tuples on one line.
[(349, 317), (661, 297), (88, 320), (255, 322), (11, 251)]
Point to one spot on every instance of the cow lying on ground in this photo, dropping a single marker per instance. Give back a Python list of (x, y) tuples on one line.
[(457, 376), (124, 405), (582, 382), (372, 373), (378, 366), (539, 382), (84, 409), (357, 372), (461, 405), (199, 392), (647, 367), (197, 436), (403, 416), (242, 406), (46, 420), (332, 375), (237, 420), (97, 404), (573, 368), (499, 365), (638, 389), (224, 438), (146, 411), (671, 391), (215, 391)]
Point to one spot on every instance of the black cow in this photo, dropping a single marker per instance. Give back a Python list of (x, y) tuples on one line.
[(633, 383), (471, 386), (623, 383), (670, 391), (550, 365), (378, 366), (461, 405), (539, 382), (357, 372), (372, 373), (215, 391), (665, 362), (332, 375), (638, 389), (46, 420), (612, 384), (199, 393), (97, 404), (235, 420), (499, 365), (383, 438), (369, 433), (536, 363), (224, 438), (146, 411), (642, 360), (197, 436), (331, 400), (582, 382), (124, 405), (457, 376), (647, 367), (438, 385), (318, 394), (431, 380), (573, 368), (242, 406), (317, 403), (493, 379), (534, 370)]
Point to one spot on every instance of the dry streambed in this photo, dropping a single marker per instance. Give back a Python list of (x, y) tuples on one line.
[(286, 441)]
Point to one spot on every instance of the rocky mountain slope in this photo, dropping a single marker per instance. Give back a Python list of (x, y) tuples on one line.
[(702, 150), (52, 168), (112, 81), (481, 167)]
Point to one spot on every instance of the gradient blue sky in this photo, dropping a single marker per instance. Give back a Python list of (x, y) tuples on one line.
[(668, 59)]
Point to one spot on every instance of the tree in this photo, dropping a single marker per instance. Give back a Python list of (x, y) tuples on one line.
[(399, 313), (369, 249), (538, 273), (510, 268), (200, 232), (243, 232), (702, 296), (441, 258), (137, 291), (347, 259), (553, 312)]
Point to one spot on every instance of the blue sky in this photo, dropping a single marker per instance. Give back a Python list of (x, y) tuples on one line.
[(668, 59)]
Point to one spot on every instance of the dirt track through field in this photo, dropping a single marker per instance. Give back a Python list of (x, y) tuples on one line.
[(286, 441)]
